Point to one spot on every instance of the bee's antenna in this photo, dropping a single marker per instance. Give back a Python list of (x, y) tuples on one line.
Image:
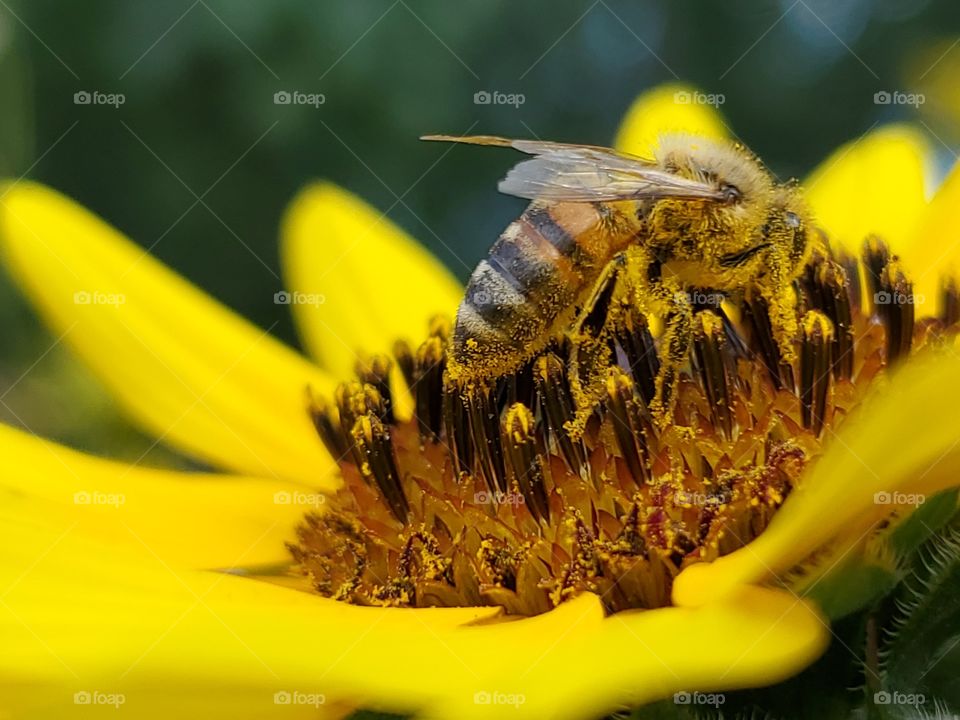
[(470, 139)]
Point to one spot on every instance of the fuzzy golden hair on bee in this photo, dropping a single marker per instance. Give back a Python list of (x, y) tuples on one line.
[(718, 162)]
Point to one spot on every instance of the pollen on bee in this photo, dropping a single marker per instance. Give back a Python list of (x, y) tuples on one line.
[(486, 498)]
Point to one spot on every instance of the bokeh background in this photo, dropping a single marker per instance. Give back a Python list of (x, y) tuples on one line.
[(199, 161)]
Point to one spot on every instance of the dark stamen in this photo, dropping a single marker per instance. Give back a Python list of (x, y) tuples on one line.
[(894, 302), (833, 299), (815, 369), (327, 424), (876, 255), (851, 270), (428, 388), (738, 347), (485, 431), (379, 466), (558, 408), (403, 354), (456, 429), (525, 459), (634, 337), (711, 362), (375, 371), (756, 311), (354, 400), (519, 387), (626, 415)]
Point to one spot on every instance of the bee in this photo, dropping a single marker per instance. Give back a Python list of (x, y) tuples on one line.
[(605, 230)]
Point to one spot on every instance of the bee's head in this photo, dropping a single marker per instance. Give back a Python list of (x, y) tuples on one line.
[(782, 241), (735, 172)]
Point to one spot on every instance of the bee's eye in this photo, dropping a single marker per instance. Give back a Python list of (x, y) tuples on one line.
[(731, 193), (792, 219)]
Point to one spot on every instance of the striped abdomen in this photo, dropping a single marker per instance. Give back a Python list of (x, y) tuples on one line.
[(527, 287)]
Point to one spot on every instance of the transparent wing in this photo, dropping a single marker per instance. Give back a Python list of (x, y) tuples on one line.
[(585, 173)]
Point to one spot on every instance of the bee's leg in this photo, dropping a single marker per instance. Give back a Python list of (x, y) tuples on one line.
[(665, 296), (784, 323), (781, 299), (590, 352), (675, 349)]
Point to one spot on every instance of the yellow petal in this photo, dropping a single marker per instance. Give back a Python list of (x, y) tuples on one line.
[(86, 623), (934, 246), (876, 184), (377, 283), (183, 519), (181, 638), (900, 448), (575, 663), (185, 367), (664, 109)]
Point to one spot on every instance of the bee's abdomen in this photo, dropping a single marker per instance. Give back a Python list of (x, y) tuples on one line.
[(535, 270)]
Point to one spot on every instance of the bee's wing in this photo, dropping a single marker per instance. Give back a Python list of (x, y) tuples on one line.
[(576, 176), (584, 173)]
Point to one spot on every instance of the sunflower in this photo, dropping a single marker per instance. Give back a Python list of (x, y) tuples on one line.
[(370, 541)]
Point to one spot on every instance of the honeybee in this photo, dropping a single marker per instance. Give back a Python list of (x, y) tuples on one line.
[(605, 229)]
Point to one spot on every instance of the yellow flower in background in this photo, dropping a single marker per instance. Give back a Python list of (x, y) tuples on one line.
[(166, 592)]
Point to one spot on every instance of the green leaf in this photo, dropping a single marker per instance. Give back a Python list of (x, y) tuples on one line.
[(821, 692), (860, 582), (923, 522), (921, 658), (663, 710), (850, 587)]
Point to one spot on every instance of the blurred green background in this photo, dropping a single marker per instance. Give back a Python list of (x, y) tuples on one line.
[(199, 120)]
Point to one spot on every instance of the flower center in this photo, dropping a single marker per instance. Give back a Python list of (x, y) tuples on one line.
[(486, 499)]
